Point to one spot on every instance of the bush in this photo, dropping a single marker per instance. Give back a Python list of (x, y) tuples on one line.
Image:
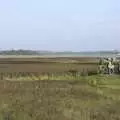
[(93, 83)]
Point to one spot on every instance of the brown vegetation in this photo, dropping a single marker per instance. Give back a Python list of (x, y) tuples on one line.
[(47, 65)]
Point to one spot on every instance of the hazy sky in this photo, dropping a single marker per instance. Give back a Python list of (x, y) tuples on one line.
[(71, 25)]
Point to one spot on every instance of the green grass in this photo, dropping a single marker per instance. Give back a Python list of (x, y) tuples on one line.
[(88, 97)]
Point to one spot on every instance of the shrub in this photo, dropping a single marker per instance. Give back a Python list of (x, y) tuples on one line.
[(93, 82)]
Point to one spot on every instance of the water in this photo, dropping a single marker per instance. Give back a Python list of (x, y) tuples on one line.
[(64, 54), (85, 54)]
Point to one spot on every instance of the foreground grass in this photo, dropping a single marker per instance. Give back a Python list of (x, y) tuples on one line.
[(83, 99)]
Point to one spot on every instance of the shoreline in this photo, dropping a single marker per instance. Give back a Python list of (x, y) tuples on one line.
[(56, 56), (45, 56)]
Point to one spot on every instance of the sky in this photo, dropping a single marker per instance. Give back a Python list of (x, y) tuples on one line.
[(60, 25)]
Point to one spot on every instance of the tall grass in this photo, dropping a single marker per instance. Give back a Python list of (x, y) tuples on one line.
[(70, 75), (46, 100)]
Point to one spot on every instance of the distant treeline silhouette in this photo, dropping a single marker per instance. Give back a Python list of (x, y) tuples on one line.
[(19, 52), (35, 52)]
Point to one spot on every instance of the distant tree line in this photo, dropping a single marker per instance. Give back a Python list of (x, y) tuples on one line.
[(19, 52), (33, 52)]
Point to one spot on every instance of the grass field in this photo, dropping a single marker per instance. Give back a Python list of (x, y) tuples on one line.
[(47, 65), (61, 100), (62, 96)]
